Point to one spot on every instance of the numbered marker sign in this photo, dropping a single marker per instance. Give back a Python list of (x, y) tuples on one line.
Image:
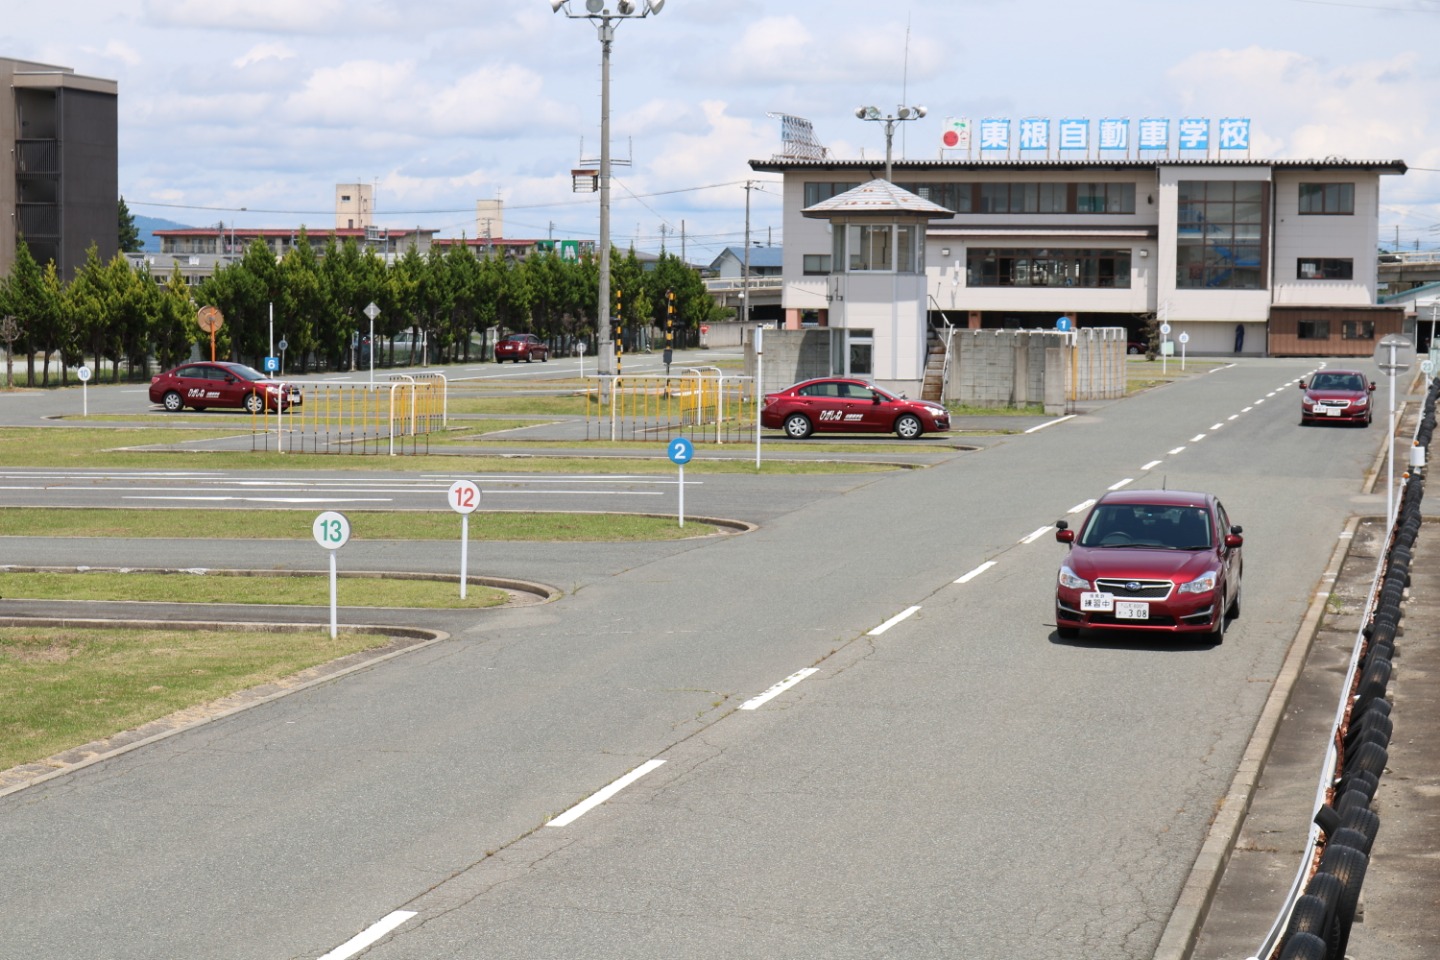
[(1184, 338), (681, 451), (464, 496), (83, 373), (331, 529)]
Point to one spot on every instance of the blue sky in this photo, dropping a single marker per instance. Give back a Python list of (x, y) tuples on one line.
[(266, 105)]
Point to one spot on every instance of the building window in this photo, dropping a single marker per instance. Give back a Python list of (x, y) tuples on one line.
[(958, 197), (1327, 198), (816, 263), (1043, 267), (1325, 268), (862, 353), (879, 248), (819, 192), (1357, 330), (1313, 330), (1220, 235), (1105, 198)]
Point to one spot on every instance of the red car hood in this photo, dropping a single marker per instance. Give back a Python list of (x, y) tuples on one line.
[(1138, 563), (1351, 395)]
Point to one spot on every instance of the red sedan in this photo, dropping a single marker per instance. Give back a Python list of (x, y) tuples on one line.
[(521, 346), (1158, 561), (837, 405), (221, 384), (1337, 396)]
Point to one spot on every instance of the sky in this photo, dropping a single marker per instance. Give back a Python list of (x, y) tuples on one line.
[(250, 112)]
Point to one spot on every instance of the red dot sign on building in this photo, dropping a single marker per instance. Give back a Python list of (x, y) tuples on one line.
[(956, 135)]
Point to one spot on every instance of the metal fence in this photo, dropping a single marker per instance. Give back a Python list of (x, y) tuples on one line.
[(393, 416), (705, 405)]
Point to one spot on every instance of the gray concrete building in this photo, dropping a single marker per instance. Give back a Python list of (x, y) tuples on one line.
[(59, 166)]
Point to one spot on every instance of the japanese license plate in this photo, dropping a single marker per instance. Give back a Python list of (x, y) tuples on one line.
[(1097, 602), (1132, 610), (1333, 411)]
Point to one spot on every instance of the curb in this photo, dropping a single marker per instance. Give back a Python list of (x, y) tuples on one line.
[(1178, 939)]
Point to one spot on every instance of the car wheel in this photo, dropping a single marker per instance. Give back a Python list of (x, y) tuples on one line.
[(797, 426), (529, 358), (1216, 636), (173, 402), (909, 427), (1133, 351), (254, 403), (1304, 946), (545, 357)]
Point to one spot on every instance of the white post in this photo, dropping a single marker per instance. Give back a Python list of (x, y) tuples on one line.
[(464, 552), (1390, 456), (682, 495), (333, 626), (759, 390)]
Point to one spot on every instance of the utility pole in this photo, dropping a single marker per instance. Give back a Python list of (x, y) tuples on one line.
[(745, 280)]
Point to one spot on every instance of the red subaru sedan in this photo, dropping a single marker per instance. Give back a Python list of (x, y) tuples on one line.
[(1337, 396), (521, 346), (839, 405), (1157, 561), (221, 384)]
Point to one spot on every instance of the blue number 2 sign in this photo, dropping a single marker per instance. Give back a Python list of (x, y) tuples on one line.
[(681, 451)]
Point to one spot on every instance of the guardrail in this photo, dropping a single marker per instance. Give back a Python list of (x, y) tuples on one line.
[(1315, 920), (393, 416), (705, 405)]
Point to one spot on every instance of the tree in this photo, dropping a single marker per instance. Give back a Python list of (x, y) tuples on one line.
[(129, 234), (174, 322)]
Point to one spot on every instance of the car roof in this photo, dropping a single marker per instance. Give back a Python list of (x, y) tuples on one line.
[(1159, 498)]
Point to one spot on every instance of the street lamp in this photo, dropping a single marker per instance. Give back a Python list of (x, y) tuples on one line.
[(605, 23), (901, 113)]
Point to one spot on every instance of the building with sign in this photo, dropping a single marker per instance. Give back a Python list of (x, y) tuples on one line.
[(59, 166), (1249, 257)]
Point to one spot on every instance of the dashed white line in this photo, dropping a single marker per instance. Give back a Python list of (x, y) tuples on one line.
[(1087, 504), (1233, 416), (977, 571), (1260, 401), (1152, 465), (1272, 393), (902, 615), (1117, 486), (1050, 423), (599, 797), (1216, 426), (1176, 450), (1031, 538), (1247, 409), (368, 936), (1197, 438), (778, 689)]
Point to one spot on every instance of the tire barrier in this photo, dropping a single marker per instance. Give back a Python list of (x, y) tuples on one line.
[(1314, 922)]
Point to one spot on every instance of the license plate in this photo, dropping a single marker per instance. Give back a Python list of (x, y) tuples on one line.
[(1333, 411), (1132, 610), (1097, 602)]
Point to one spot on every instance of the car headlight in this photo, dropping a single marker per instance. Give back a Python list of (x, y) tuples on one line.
[(1360, 401), (1072, 582), (1307, 402), (1205, 583)]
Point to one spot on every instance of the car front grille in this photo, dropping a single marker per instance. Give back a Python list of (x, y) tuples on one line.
[(1136, 589)]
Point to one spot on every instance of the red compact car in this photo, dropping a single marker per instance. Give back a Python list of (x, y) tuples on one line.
[(221, 384), (1159, 561), (836, 405), (1337, 396), (521, 346)]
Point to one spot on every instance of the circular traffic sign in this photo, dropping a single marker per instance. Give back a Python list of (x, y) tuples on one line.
[(1164, 328), (680, 451), (464, 496), (331, 530), (282, 345), (581, 347), (83, 373), (1063, 324), (1184, 338), (704, 328)]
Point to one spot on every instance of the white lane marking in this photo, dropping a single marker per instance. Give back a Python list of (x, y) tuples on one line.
[(600, 796), (1051, 423), (274, 499), (1272, 393), (368, 936), (1082, 505), (1117, 486), (1260, 401), (902, 615), (1176, 450), (1152, 465), (778, 689), (976, 572), (1216, 426), (1233, 416), (1031, 538), (1247, 409), (1197, 438)]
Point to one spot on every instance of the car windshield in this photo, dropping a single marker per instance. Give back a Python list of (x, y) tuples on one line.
[(247, 373), (1337, 381), (1148, 525)]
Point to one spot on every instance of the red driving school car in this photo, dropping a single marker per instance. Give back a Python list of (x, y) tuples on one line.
[(221, 384), (521, 346), (842, 405), (1339, 396)]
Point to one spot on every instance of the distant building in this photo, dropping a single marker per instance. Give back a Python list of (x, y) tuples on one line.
[(59, 165), (199, 251), (764, 262), (354, 206)]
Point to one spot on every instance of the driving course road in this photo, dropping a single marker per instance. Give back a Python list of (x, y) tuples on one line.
[(950, 780)]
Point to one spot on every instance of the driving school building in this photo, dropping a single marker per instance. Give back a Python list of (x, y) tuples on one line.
[(1249, 257)]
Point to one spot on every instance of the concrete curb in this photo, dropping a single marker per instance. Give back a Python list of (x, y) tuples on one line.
[(1178, 939), (78, 758)]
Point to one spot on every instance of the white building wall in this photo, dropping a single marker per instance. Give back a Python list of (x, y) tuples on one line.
[(893, 306), (1327, 235)]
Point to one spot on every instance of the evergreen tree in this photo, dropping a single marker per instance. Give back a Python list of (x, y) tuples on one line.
[(129, 234)]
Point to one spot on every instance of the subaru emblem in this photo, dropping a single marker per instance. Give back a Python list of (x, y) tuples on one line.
[(1133, 586)]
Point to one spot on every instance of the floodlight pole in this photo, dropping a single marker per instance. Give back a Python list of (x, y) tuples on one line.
[(604, 19), (890, 120)]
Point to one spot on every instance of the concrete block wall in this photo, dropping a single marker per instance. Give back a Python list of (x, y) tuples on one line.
[(790, 356), (1000, 368)]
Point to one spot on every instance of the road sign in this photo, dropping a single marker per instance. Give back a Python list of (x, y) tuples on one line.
[(1184, 338), (372, 311), (1394, 354), (1063, 324), (1164, 329), (680, 451), (282, 345), (83, 373), (704, 329), (331, 530), (464, 496), (272, 364)]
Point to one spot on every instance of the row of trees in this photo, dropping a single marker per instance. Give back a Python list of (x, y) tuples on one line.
[(112, 311)]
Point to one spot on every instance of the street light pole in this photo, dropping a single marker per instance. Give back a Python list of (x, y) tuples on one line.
[(890, 120), (605, 27)]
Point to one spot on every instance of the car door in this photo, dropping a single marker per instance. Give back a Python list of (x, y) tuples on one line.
[(866, 410), (192, 383), (228, 388)]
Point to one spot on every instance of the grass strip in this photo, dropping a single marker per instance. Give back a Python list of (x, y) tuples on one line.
[(63, 687), (301, 590)]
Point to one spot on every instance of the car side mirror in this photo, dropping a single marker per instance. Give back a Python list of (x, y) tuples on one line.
[(1237, 529), (229, 379), (875, 399), (1233, 540), (1063, 533), (1372, 387), (1302, 384)]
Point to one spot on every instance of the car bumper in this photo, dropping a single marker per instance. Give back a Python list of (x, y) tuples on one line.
[(1345, 416), (1177, 615)]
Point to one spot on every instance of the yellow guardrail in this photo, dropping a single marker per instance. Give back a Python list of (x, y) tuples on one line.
[(391, 416), (704, 404)]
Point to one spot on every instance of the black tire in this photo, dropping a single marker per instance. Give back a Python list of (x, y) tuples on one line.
[(1310, 915), (545, 357), (1327, 889), (909, 427), (529, 357), (1348, 865), (797, 426), (254, 403), (1304, 946), (1216, 634), (173, 402)]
